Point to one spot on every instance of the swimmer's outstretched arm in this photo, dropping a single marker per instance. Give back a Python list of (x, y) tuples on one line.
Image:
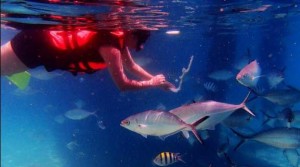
[(113, 59), (132, 67), (140, 72)]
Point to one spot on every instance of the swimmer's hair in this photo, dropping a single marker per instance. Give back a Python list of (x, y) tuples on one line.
[(142, 37)]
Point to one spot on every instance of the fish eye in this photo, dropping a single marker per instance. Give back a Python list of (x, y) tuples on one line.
[(126, 122)]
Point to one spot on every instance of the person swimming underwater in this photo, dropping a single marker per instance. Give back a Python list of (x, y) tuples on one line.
[(81, 52)]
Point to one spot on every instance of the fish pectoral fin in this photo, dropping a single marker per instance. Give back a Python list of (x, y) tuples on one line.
[(200, 121), (186, 134), (142, 126)]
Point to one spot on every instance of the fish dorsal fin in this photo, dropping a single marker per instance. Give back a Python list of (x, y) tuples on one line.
[(94, 113), (79, 104)]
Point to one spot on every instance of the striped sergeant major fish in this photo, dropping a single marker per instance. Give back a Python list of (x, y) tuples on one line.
[(167, 158)]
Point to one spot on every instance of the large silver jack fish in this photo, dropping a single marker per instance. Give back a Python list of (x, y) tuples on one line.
[(217, 112), (159, 123)]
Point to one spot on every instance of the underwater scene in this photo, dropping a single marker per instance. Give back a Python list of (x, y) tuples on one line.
[(211, 83)]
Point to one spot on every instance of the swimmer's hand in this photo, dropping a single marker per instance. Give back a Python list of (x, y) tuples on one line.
[(168, 86), (160, 80)]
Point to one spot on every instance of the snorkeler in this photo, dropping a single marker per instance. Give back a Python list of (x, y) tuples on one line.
[(81, 51)]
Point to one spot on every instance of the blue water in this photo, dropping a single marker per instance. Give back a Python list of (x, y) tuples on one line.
[(35, 133)]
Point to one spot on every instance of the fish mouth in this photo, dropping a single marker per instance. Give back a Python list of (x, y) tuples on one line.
[(242, 76), (124, 123)]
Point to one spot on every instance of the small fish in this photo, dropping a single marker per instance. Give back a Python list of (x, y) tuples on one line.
[(167, 158), (274, 79), (210, 86), (283, 97), (72, 145), (259, 9), (159, 123), (286, 138), (101, 125), (280, 15), (285, 115), (79, 114), (249, 75), (59, 119), (221, 75)]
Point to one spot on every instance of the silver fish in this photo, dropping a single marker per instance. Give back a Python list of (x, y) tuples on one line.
[(221, 75), (259, 9), (217, 112), (286, 115), (79, 114), (274, 79), (283, 97), (72, 145), (158, 123), (249, 75), (286, 138)]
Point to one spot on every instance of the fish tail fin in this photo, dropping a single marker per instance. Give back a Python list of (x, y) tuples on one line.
[(268, 117), (247, 97), (193, 129), (179, 157), (248, 110), (243, 104), (243, 139), (95, 114)]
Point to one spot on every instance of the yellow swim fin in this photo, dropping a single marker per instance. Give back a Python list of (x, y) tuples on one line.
[(21, 80)]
